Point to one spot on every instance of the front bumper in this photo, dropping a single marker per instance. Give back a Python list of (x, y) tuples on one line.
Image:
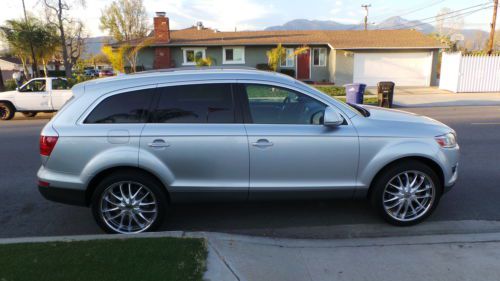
[(64, 195)]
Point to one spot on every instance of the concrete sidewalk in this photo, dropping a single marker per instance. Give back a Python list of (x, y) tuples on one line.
[(440, 257), (435, 97)]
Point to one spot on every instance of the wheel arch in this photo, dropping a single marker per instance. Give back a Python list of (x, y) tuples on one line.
[(9, 103), (94, 181), (425, 160)]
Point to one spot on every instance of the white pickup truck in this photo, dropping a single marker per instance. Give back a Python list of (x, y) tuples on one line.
[(37, 95)]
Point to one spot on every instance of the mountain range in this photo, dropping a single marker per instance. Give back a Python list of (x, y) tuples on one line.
[(476, 37)]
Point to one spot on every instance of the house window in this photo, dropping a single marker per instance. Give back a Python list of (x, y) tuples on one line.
[(319, 57), (289, 59), (191, 55), (233, 55)]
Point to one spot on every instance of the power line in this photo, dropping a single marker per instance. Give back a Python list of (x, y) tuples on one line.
[(401, 12), (453, 16), (441, 15)]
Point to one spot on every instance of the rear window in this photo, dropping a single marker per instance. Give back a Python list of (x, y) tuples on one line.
[(206, 103), (130, 107)]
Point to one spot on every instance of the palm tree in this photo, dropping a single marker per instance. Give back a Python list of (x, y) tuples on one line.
[(275, 55)]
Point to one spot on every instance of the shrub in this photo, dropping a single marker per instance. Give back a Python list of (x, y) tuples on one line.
[(263, 66), (10, 85), (289, 72)]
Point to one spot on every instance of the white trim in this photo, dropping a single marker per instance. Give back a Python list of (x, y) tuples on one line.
[(286, 59), (224, 61), (300, 44), (184, 56), (319, 60)]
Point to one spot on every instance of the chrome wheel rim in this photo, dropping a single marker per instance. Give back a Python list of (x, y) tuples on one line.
[(128, 207), (408, 196)]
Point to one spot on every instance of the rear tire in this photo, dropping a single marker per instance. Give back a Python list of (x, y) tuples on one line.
[(129, 202), (406, 193), (30, 114), (7, 111)]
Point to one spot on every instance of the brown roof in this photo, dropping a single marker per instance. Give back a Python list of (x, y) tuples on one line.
[(338, 39)]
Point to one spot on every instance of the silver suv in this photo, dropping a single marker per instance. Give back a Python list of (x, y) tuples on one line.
[(131, 145)]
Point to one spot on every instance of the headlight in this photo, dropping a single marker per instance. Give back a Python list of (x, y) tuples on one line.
[(448, 140)]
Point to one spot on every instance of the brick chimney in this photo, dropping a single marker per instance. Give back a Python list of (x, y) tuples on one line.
[(163, 57)]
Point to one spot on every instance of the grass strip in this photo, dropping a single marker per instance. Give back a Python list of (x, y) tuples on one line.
[(115, 259)]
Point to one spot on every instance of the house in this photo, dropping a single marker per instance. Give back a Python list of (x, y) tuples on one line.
[(406, 57), (9, 64)]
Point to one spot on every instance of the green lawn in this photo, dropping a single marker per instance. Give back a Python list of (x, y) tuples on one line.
[(118, 259), (338, 92)]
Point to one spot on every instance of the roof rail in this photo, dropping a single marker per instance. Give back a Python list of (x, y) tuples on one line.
[(196, 68)]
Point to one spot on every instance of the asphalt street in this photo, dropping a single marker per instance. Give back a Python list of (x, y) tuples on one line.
[(23, 211)]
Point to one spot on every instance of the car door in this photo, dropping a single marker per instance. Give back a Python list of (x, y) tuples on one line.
[(198, 138), (290, 149), (60, 93), (33, 96)]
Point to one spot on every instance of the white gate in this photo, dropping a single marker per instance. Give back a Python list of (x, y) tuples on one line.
[(470, 73)]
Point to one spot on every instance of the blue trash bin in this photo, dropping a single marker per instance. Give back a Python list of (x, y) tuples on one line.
[(354, 93)]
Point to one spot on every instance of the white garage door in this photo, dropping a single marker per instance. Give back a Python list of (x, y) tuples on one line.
[(404, 69)]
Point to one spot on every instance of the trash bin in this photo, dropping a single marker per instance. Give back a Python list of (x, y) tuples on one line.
[(354, 93), (385, 93)]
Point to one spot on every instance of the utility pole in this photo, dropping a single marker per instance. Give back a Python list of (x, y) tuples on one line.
[(34, 65), (366, 13), (492, 31)]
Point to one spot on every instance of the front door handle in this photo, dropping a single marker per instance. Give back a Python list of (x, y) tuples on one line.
[(158, 144), (262, 143)]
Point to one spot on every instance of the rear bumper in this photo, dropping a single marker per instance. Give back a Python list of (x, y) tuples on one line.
[(64, 195)]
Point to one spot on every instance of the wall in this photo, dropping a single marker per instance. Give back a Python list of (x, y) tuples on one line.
[(253, 55)]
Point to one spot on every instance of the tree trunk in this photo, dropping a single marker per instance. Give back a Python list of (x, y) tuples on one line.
[(45, 68), (25, 69), (67, 65)]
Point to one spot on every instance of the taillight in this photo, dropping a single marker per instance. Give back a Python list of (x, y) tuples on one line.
[(47, 144)]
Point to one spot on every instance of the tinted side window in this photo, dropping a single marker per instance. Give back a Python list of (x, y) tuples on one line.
[(275, 105), (130, 107), (206, 103)]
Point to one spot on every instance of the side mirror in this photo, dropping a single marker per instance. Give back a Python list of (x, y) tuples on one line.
[(332, 118)]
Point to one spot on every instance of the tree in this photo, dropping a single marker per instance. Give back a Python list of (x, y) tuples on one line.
[(125, 20), (131, 52), (18, 34), (448, 22), (56, 11), (115, 56), (276, 55)]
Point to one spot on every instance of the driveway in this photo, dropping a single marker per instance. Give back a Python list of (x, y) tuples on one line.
[(433, 96)]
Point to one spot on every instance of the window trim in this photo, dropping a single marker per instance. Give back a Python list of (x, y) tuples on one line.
[(319, 60), (286, 59), (184, 54), (224, 61)]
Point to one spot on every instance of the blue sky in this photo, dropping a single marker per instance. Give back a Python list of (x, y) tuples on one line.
[(258, 14)]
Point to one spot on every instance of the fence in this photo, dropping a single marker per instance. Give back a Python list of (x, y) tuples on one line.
[(470, 73)]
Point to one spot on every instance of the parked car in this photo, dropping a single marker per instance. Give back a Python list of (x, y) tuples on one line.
[(91, 72), (105, 72), (131, 145), (37, 95)]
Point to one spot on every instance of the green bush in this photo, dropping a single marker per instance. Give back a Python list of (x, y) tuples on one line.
[(10, 85), (263, 66), (289, 72), (332, 90)]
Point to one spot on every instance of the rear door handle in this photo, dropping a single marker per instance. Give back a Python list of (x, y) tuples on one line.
[(158, 144), (262, 143)]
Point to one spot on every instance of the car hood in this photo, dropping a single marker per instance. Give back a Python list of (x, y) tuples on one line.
[(393, 122), (380, 113)]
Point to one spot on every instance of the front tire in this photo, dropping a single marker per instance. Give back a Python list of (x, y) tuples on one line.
[(30, 114), (129, 202), (7, 111), (406, 193)]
